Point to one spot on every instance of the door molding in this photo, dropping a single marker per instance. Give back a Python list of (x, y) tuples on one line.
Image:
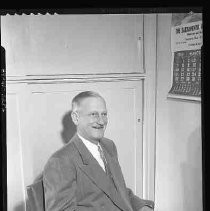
[(149, 111), (75, 78)]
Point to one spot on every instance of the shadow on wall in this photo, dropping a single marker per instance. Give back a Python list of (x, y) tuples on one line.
[(69, 128), (68, 131), (192, 173)]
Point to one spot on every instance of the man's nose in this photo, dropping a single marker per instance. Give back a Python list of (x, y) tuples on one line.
[(102, 120)]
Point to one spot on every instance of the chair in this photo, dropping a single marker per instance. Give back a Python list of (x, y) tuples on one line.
[(35, 193), (36, 201)]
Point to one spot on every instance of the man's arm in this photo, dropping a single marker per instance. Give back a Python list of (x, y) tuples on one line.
[(137, 203), (140, 204), (59, 185)]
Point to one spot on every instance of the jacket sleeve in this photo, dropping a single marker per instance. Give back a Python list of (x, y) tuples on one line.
[(136, 202), (59, 180)]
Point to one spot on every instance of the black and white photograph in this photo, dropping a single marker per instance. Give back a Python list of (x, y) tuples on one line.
[(101, 110)]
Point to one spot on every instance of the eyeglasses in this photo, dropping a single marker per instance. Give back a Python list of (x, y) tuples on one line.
[(96, 115)]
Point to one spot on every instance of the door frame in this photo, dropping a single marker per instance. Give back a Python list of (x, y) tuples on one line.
[(150, 89)]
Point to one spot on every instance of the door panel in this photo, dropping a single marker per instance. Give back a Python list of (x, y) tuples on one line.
[(45, 125), (72, 44)]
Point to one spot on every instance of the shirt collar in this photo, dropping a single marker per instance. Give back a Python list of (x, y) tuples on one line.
[(87, 142)]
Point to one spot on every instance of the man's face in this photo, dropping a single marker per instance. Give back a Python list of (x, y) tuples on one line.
[(92, 118)]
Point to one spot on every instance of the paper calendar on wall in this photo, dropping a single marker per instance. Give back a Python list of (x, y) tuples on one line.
[(186, 42)]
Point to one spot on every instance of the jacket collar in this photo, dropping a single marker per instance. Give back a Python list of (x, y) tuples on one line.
[(92, 169)]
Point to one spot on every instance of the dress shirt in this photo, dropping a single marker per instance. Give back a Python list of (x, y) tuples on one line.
[(93, 148)]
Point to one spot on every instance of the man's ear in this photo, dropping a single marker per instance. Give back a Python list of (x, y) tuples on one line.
[(75, 117)]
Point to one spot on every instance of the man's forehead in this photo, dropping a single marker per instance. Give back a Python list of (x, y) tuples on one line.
[(93, 102)]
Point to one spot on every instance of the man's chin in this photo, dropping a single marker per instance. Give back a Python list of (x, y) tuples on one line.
[(98, 137)]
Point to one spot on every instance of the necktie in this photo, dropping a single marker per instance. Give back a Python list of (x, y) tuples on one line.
[(106, 165), (103, 157)]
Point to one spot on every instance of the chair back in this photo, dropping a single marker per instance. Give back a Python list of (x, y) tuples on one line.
[(35, 193)]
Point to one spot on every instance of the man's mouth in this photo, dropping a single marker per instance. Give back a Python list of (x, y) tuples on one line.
[(98, 127)]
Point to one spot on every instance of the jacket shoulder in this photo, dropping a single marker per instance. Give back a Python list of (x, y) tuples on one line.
[(63, 155), (66, 150)]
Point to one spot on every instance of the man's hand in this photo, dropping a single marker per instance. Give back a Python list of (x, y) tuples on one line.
[(146, 208)]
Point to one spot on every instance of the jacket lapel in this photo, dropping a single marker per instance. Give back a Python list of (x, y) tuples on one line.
[(118, 180), (117, 176), (96, 174)]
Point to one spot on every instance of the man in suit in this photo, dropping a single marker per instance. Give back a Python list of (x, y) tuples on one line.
[(85, 175)]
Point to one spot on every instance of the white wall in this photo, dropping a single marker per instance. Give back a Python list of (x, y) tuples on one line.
[(178, 183)]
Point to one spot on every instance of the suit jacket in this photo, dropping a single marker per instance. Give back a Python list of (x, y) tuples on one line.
[(73, 180)]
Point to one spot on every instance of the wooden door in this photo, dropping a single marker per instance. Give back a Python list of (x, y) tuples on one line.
[(52, 58)]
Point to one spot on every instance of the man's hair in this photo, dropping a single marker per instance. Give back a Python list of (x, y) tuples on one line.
[(81, 96)]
